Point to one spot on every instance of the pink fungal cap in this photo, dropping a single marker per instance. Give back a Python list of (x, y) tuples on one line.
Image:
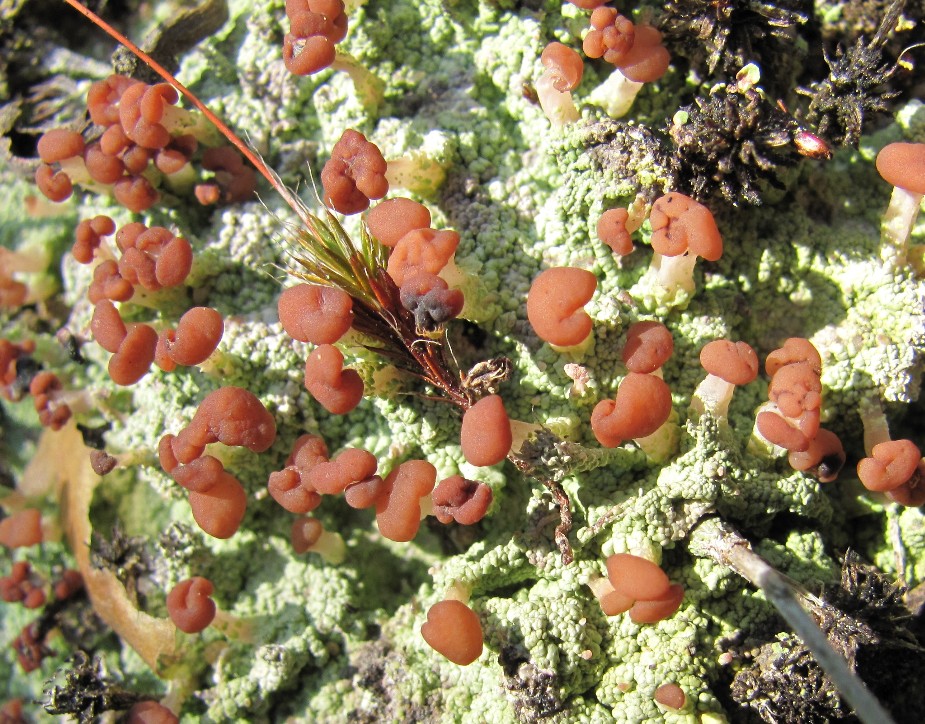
[(153, 258), (612, 231), (21, 529), (315, 27), (45, 389), (430, 300), (648, 59), (796, 389), (555, 305), (648, 346), (611, 37), (398, 510), (59, 144), (612, 603), (337, 390), (200, 475), (680, 224), (903, 165), (107, 326), (190, 605), (824, 457), (104, 97), (793, 434), (890, 465), (309, 536), (135, 193), (89, 235), (795, 350), (462, 500), (454, 630), (642, 405), (734, 362), (564, 64), (197, 335), (486, 436), (133, 359), (671, 696), (146, 133), (365, 493), (229, 415), (350, 466), (655, 610), (55, 185), (637, 577), (389, 220), (421, 250), (286, 487), (150, 712), (316, 314), (220, 508), (912, 492), (108, 283), (290, 486), (354, 174), (235, 180), (587, 4), (102, 168)]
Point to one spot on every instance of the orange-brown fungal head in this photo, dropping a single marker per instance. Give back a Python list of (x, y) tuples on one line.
[(150, 712), (648, 59), (190, 606), (890, 465), (648, 346), (89, 235), (390, 220), (796, 389), (734, 362), (230, 415), (316, 314), (555, 305), (637, 577), (197, 335), (290, 486), (824, 457), (680, 224), (564, 64), (133, 359), (642, 405), (421, 251), (462, 500), (903, 165), (785, 433), (454, 630), (655, 610), (612, 231), (352, 465), (219, 510), (486, 436), (21, 529), (59, 144), (337, 390), (671, 696), (611, 37), (398, 509), (430, 300), (315, 27), (354, 174), (795, 350), (200, 475)]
